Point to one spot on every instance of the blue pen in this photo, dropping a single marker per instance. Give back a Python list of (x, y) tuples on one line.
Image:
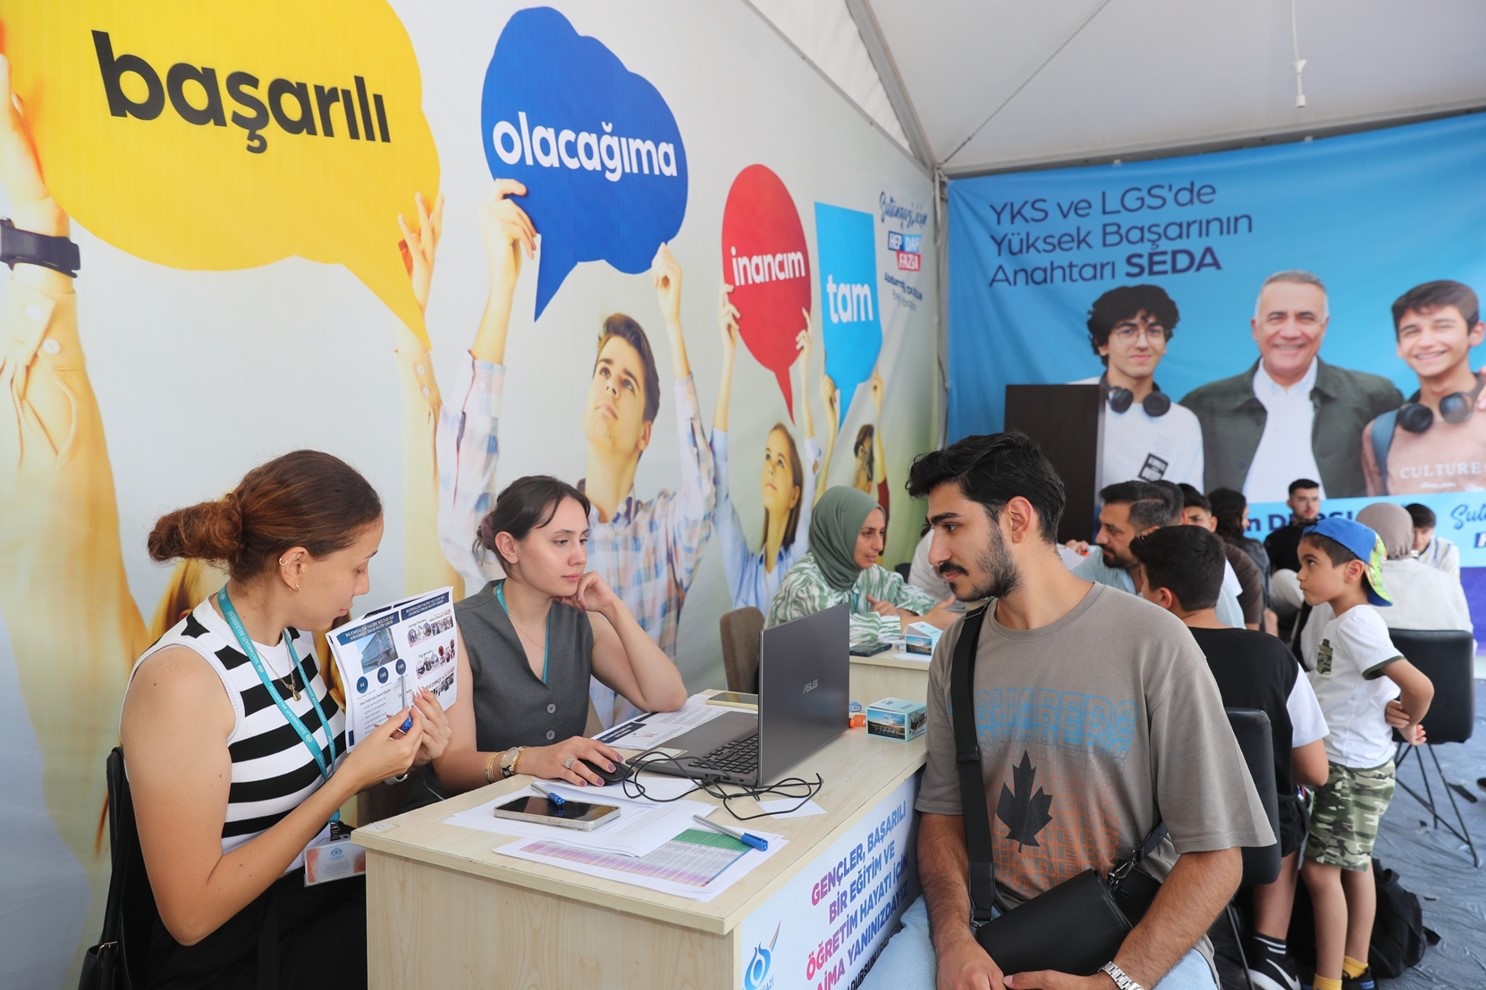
[(747, 838), (557, 799)]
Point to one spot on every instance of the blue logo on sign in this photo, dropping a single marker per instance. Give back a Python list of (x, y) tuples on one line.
[(595, 145), (756, 973), (381, 675), (361, 685), (401, 665), (846, 246)]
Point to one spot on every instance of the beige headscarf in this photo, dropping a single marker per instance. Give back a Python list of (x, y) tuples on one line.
[(1394, 526)]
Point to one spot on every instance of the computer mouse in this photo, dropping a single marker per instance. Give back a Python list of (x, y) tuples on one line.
[(621, 771)]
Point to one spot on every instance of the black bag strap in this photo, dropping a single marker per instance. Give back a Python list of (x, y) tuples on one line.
[(973, 805), (967, 761)]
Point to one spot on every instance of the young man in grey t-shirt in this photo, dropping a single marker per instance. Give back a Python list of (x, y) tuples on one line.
[(1095, 713)]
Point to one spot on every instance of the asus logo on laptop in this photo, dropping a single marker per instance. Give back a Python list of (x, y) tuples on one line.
[(811, 686)]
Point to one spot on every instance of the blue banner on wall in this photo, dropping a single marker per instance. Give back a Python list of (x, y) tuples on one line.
[(1372, 215)]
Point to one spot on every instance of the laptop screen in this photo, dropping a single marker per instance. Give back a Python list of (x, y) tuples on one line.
[(804, 667)]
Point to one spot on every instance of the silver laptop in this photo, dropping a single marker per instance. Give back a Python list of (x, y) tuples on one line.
[(802, 705)]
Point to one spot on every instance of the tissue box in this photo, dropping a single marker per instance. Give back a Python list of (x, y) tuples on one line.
[(920, 637), (895, 718)]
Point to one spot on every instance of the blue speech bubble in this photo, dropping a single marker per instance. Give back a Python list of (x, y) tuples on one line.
[(846, 246), (595, 145)]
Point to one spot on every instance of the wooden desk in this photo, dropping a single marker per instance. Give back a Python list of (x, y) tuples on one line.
[(884, 676), (444, 910)]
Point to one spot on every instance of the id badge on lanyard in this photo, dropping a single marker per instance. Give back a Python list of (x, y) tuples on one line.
[(334, 857)]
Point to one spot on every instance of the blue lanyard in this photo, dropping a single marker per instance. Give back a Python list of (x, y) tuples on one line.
[(305, 736), (500, 596)]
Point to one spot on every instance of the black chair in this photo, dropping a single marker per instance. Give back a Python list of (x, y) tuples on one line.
[(904, 570), (121, 957), (1261, 864), (1447, 657)]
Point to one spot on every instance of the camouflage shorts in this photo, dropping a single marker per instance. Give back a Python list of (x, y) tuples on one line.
[(1346, 813)]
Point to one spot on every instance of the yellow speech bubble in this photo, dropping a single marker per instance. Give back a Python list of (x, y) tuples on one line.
[(221, 136)]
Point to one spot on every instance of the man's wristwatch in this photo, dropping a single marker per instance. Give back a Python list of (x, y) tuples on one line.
[(18, 246), (1120, 977), (508, 761)]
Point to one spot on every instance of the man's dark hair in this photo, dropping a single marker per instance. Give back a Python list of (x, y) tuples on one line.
[(1126, 302), (1300, 483), (1186, 560), (992, 469), (1422, 515), (1192, 498), (627, 330), (1433, 295), (1149, 504), (1227, 508), (1335, 552), (1173, 495)]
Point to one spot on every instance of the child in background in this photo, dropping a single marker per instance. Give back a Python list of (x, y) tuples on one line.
[(1357, 674)]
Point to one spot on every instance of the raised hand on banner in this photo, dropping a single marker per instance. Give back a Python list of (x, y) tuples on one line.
[(420, 244), (31, 204), (507, 231)]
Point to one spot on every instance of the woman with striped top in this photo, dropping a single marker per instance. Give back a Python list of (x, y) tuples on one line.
[(235, 748)]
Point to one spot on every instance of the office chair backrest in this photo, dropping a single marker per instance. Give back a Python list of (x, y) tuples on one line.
[(740, 647), (1261, 864), (1447, 657), (903, 570)]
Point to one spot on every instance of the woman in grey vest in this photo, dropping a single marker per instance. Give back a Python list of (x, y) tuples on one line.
[(529, 642)]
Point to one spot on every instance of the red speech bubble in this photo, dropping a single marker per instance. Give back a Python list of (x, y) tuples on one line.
[(765, 260)]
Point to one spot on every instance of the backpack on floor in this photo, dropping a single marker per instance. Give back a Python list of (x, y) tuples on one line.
[(1399, 937)]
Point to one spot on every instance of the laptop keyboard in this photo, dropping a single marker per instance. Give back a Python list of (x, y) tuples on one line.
[(738, 757)]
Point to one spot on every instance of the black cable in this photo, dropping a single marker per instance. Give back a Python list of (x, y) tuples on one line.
[(788, 787)]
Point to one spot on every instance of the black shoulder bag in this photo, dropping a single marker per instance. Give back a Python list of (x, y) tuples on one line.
[(1077, 926)]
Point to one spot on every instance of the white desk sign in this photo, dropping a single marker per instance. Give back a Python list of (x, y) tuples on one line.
[(827, 924)]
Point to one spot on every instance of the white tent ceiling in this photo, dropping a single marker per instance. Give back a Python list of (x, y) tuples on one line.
[(974, 86)]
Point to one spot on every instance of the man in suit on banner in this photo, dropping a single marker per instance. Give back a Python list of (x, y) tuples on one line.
[(1290, 414)]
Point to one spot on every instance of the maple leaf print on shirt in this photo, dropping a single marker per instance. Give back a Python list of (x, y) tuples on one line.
[(1023, 813)]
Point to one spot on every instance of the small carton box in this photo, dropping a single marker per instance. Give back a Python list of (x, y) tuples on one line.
[(920, 637), (895, 718)]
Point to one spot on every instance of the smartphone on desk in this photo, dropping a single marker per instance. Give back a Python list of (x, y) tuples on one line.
[(870, 649), (735, 699), (570, 814)]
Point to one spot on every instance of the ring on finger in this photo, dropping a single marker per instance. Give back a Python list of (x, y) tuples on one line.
[(568, 763)]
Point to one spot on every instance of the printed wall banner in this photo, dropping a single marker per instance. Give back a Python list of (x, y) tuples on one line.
[(829, 922), (1284, 301), (236, 179)]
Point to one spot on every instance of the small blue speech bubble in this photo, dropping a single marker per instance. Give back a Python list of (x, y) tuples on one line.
[(595, 145), (846, 246)]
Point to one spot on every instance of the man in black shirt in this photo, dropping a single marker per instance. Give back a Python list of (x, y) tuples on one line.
[(1182, 570)]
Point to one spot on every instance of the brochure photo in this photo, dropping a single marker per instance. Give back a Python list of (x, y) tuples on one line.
[(387, 654)]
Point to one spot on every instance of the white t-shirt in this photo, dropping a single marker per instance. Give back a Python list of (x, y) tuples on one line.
[(1139, 446), (1347, 656), (1307, 721), (1284, 452)]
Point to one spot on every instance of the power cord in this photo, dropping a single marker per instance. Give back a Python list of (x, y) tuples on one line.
[(797, 788)]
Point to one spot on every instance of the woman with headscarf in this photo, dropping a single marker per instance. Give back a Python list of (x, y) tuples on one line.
[(846, 539), (1423, 598)]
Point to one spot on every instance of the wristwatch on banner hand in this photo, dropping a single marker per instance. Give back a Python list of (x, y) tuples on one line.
[(18, 246), (508, 761), (1120, 977)]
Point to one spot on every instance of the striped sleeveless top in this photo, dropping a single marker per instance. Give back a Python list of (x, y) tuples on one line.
[(272, 769)]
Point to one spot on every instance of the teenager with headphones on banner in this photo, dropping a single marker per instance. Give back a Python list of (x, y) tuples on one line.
[(1146, 435), (1433, 442)]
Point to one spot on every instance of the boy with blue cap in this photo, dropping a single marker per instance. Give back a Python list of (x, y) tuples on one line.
[(1365, 688)]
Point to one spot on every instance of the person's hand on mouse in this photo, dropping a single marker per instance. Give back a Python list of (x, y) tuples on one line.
[(562, 761)]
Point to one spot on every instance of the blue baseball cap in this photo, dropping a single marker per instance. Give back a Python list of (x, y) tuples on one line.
[(1364, 544)]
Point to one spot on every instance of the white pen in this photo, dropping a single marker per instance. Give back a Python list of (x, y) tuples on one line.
[(747, 838)]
